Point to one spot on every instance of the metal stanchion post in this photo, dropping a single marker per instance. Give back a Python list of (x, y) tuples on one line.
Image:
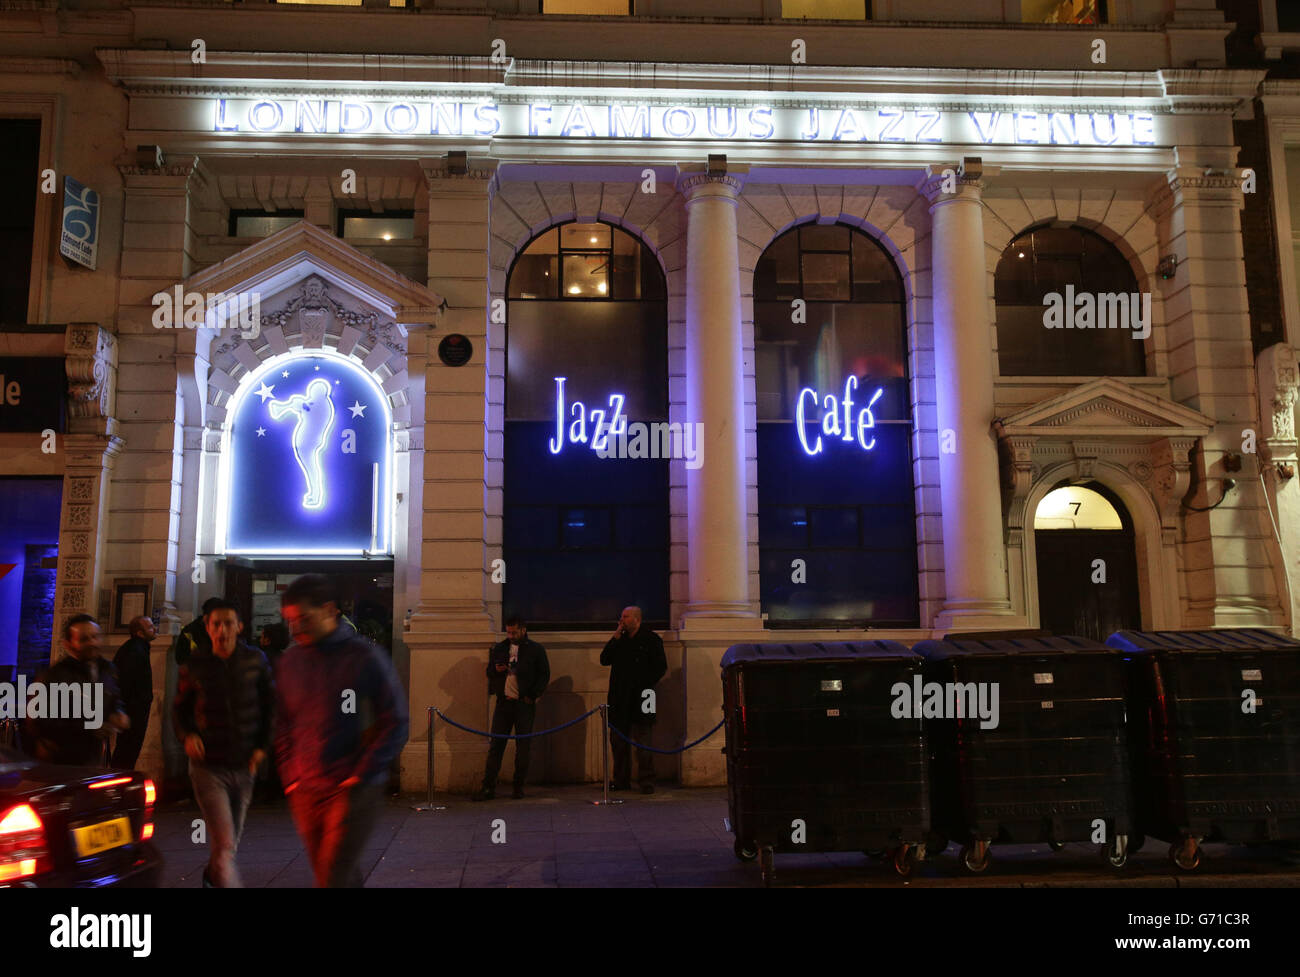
[(428, 805), (604, 715)]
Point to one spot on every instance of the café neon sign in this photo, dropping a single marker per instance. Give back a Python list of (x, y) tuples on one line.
[(830, 421)]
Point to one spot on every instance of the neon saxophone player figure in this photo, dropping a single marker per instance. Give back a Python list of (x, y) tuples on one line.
[(315, 413)]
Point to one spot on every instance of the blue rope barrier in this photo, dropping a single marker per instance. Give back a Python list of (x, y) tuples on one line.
[(651, 749), (513, 736)]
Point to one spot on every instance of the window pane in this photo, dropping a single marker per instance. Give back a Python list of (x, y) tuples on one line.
[(595, 8), (586, 276), (384, 228), (826, 277), (834, 527), (584, 237), (776, 276), (587, 528), (535, 276), (824, 237), (546, 243), (262, 225), (1060, 11), (825, 9)]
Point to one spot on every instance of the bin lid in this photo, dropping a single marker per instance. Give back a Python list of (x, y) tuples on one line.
[(935, 650), (1218, 639), (814, 650)]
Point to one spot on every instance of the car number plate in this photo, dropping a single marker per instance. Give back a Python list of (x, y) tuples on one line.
[(95, 838)]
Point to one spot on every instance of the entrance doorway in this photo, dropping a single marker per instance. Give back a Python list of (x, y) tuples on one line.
[(365, 589), (1087, 563)]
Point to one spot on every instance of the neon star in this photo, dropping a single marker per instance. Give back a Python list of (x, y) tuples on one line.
[(265, 392), (261, 432), (285, 374), (358, 409)]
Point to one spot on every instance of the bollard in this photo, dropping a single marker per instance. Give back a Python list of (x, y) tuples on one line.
[(604, 715), (428, 805)]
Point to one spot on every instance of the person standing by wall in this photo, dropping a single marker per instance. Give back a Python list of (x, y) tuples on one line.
[(340, 724), (135, 677), (635, 655), (67, 740), (222, 713), (518, 673)]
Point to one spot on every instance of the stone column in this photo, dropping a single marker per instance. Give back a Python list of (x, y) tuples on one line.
[(450, 629), (1278, 388), (715, 373), (974, 554)]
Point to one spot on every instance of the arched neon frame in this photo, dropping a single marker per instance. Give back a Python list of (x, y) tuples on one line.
[(249, 386)]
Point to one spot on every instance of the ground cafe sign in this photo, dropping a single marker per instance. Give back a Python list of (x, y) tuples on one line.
[(592, 120)]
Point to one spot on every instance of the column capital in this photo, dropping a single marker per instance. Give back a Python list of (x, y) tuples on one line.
[(695, 181), (480, 173), (943, 183)]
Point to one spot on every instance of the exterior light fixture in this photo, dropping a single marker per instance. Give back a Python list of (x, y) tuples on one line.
[(717, 164), (457, 162), (1168, 266), (149, 157)]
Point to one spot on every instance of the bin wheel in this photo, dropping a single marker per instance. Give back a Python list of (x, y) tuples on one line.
[(975, 856), (904, 860), (746, 851), (765, 866), (1056, 845), (1116, 853), (1186, 854)]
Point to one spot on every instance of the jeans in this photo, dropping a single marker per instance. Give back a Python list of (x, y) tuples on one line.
[(510, 715), (223, 794), (334, 827), (645, 760), (129, 742)]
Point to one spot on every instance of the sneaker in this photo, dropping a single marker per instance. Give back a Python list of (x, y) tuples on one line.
[(647, 788), (484, 795), (517, 793)]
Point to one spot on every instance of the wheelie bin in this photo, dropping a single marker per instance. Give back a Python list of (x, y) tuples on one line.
[(816, 761), (1048, 764), (1215, 721)]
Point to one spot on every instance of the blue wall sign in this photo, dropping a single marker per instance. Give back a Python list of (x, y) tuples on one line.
[(853, 428), (79, 240), (308, 460)]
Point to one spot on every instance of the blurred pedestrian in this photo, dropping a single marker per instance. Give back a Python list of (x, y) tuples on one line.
[(223, 715), (636, 658), (341, 722), (194, 635), (273, 640), (135, 676), (518, 674), (81, 739)]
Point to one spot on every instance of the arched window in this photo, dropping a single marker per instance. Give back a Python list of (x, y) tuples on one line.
[(307, 457), (1068, 305), (586, 511), (837, 534)]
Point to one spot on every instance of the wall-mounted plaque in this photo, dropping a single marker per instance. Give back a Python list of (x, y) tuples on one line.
[(455, 350)]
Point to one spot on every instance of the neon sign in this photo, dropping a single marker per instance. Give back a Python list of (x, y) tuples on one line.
[(830, 420), (315, 413), (577, 432), (303, 472), (917, 124)]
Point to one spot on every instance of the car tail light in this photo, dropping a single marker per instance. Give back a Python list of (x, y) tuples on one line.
[(150, 792), (22, 844), (147, 833), (150, 795), (113, 782)]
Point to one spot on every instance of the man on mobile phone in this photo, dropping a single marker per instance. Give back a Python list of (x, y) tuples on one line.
[(518, 673), (635, 655)]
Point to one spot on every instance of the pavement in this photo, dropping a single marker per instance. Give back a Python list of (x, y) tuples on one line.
[(556, 838)]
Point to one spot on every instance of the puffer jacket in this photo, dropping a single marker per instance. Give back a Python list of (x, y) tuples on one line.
[(228, 702), (341, 712)]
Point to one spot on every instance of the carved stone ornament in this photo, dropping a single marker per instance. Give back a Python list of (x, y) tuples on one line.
[(1278, 380), (90, 364)]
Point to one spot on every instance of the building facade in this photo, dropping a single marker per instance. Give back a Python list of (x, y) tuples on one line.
[(771, 326)]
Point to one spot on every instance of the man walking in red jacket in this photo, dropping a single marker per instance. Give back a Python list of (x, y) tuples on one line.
[(340, 724)]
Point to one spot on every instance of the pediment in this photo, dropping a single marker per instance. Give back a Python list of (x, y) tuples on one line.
[(292, 256), (1111, 408)]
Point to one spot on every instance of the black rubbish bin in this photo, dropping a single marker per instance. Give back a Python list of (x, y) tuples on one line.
[(1028, 744), (1215, 727), (816, 761)]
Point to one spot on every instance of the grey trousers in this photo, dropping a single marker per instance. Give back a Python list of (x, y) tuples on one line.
[(224, 794)]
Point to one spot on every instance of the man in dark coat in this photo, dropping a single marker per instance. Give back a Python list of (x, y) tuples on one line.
[(135, 675), (223, 714), (195, 634), (340, 724), (518, 673), (636, 657), (78, 740)]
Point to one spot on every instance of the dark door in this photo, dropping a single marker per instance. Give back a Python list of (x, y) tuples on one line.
[(1069, 602)]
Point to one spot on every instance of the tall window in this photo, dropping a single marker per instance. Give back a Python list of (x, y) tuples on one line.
[(837, 535), (1063, 11), (1068, 305), (586, 524), (18, 166)]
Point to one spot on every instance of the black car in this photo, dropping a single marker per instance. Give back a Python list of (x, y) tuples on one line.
[(66, 827)]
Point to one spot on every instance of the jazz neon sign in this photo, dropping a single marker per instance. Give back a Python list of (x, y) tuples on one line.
[(577, 433), (832, 409)]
